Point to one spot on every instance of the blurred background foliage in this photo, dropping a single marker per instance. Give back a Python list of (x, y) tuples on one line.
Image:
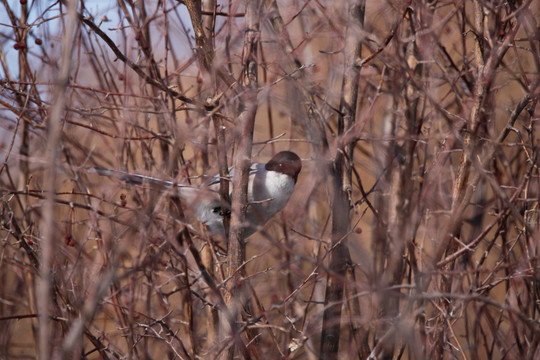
[(436, 155)]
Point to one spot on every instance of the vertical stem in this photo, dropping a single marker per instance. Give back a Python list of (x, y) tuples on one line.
[(43, 286), (23, 76), (242, 161), (339, 261), (340, 258), (463, 170)]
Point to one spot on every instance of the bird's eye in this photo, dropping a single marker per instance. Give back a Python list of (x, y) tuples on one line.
[(216, 210), (225, 213)]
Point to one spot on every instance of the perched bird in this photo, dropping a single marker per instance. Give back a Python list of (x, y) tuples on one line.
[(269, 189)]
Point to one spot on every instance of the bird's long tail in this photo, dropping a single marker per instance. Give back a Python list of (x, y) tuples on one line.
[(135, 179)]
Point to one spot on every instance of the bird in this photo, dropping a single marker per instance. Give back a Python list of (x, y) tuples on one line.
[(270, 187)]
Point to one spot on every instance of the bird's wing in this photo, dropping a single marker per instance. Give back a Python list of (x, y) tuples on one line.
[(203, 202), (254, 168)]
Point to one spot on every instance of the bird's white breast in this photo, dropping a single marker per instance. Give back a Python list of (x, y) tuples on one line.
[(270, 191)]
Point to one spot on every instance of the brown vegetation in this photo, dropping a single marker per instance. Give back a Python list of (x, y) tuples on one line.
[(413, 230)]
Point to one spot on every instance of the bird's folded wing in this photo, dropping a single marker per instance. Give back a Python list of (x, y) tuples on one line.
[(254, 168)]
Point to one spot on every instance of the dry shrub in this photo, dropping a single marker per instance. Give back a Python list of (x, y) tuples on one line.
[(413, 229)]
